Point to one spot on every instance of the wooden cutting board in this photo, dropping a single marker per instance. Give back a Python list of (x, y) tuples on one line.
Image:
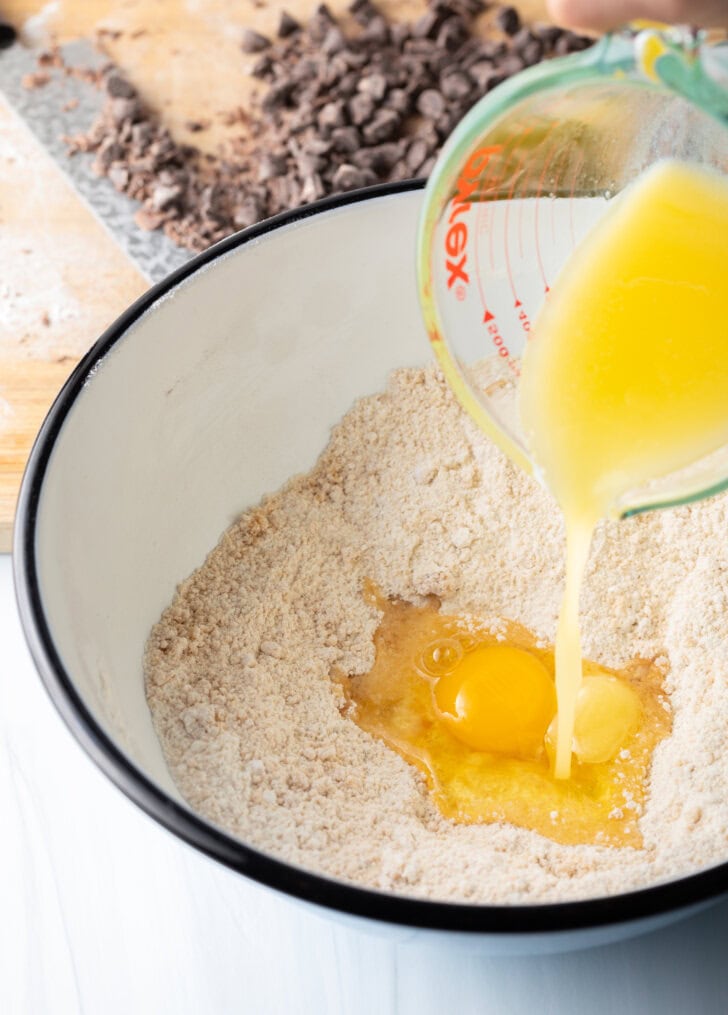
[(64, 279)]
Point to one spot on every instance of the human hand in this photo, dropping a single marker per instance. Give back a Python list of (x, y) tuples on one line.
[(602, 15)]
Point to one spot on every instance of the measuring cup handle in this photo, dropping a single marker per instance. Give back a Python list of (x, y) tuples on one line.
[(680, 59)]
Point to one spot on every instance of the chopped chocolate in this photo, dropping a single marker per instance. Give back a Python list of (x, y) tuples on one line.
[(272, 165), (346, 140), (8, 35), (570, 42), (416, 155), (455, 84), (348, 177), (361, 109), (374, 85), (383, 127), (287, 25), (117, 87), (508, 20), (430, 103), (363, 11), (253, 42), (341, 108)]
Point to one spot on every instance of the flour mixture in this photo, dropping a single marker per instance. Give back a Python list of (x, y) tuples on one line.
[(411, 497)]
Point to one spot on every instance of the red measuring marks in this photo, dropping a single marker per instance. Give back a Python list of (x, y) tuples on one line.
[(518, 305), (577, 169), (489, 320), (539, 191)]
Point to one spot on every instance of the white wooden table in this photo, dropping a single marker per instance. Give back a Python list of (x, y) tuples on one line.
[(102, 911)]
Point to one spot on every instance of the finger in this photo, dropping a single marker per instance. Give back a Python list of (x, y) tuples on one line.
[(603, 15)]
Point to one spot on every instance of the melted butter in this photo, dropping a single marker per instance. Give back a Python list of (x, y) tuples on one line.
[(473, 710), (626, 376)]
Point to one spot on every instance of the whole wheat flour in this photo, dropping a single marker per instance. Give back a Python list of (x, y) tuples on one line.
[(410, 495)]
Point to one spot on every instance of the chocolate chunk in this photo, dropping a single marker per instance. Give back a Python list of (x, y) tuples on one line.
[(429, 24), (348, 177), (398, 100), (455, 84), (361, 108), (334, 41), (287, 25), (511, 64), (379, 158), (307, 164), (247, 213), (399, 34), (486, 76), (263, 67), (374, 85), (508, 20), (570, 42), (8, 35), (118, 87), (331, 115), (304, 70), (529, 45), (430, 103), (417, 154), (253, 42), (313, 188), (452, 34), (165, 195), (142, 135), (124, 110), (278, 95), (382, 127), (548, 34), (363, 11), (347, 84), (319, 25), (345, 139), (420, 47), (119, 176), (272, 165), (470, 7), (318, 145), (376, 32)]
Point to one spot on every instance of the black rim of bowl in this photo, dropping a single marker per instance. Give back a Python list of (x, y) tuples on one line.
[(313, 888)]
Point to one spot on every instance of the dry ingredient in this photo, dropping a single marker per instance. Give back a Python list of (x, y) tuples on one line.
[(342, 108), (238, 668)]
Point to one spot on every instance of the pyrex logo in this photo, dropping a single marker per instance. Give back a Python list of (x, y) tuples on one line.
[(456, 237)]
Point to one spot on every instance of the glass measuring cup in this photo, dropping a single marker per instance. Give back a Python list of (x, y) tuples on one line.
[(523, 178)]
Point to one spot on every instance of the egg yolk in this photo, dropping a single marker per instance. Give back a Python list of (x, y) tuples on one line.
[(473, 707), (498, 698)]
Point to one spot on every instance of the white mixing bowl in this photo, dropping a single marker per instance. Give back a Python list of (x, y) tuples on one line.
[(212, 390)]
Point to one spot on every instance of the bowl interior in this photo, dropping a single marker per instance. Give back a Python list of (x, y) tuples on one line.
[(203, 397), (218, 393)]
